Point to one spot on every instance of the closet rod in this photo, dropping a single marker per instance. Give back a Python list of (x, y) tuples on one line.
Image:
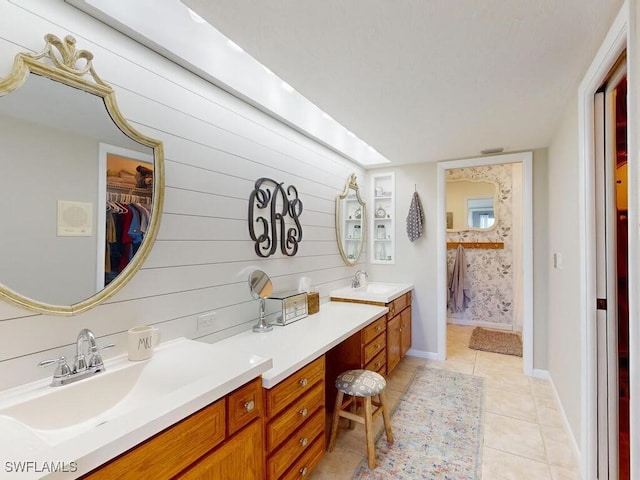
[(485, 245)]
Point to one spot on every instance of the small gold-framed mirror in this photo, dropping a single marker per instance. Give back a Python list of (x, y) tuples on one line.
[(471, 205), (70, 163), (351, 214)]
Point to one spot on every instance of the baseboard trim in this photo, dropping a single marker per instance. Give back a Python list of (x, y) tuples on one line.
[(422, 354), (544, 374), (471, 323)]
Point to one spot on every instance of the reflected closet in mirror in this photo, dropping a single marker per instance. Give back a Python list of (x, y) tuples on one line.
[(84, 187), (350, 222)]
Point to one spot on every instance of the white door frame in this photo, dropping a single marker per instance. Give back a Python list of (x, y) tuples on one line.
[(527, 245), (611, 49)]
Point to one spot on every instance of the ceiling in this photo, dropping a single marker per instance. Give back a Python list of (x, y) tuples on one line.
[(426, 80)]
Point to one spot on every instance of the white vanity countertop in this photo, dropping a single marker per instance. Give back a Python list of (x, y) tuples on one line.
[(293, 346), (233, 362)]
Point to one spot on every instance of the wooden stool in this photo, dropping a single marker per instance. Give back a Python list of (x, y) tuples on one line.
[(364, 384)]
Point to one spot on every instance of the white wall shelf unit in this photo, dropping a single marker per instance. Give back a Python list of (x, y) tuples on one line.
[(382, 213)]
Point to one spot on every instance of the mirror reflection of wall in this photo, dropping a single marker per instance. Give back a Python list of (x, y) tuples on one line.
[(470, 205)]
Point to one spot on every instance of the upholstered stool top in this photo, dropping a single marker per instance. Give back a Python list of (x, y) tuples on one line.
[(360, 383)]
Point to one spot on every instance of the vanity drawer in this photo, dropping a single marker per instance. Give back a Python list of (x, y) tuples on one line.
[(292, 418), (379, 363), (309, 459), (399, 304), (243, 405), (170, 451), (372, 331), (300, 441), (377, 345), (280, 396)]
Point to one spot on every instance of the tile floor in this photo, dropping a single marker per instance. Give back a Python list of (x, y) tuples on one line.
[(524, 436)]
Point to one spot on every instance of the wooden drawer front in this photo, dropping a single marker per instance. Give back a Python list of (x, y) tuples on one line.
[(172, 450), (243, 405), (237, 458), (400, 304), (300, 441), (280, 396), (379, 363), (376, 346), (293, 417), (372, 331), (309, 459)]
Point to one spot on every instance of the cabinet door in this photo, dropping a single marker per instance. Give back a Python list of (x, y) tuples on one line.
[(393, 342), (240, 457), (405, 329)]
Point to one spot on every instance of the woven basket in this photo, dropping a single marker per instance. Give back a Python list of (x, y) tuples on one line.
[(313, 302)]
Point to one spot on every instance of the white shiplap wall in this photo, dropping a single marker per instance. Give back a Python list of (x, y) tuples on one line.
[(216, 146)]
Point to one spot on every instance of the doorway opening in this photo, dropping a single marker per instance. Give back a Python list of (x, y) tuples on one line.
[(612, 238), (524, 159)]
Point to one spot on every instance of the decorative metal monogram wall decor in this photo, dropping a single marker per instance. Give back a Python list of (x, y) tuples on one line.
[(269, 205)]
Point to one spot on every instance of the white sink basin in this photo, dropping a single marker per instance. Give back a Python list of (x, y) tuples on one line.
[(125, 397), (380, 292)]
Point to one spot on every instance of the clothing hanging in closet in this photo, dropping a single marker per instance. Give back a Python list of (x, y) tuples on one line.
[(127, 225)]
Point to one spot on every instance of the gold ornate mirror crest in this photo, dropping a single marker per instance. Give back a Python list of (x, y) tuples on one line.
[(350, 222), (61, 62)]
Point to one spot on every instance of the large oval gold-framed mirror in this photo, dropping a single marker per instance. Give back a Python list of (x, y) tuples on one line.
[(351, 214), (471, 205), (85, 188)]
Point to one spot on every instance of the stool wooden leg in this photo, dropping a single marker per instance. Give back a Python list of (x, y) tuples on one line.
[(385, 416), (368, 426), (335, 420), (354, 410)]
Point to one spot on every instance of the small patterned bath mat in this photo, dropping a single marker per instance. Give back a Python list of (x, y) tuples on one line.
[(496, 341), (437, 427)]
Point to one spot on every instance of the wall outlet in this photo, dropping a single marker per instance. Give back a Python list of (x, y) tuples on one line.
[(206, 322)]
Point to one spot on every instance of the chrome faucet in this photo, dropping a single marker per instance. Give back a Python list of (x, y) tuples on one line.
[(355, 283), (82, 368)]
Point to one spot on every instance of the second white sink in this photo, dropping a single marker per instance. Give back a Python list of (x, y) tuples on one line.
[(380, 292)]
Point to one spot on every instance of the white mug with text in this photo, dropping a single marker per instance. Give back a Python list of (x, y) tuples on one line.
[(142, 341)]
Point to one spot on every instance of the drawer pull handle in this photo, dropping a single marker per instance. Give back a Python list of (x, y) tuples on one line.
[(304, 471), (378, 328), (304, 441), (304, 412), (303, 382), (377, 364), (377, 345), (250, 405)]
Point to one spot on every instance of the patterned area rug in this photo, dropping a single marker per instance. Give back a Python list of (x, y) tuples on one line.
[(496, 341), (437, 427)]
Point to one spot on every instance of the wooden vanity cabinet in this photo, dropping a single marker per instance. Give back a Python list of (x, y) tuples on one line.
[(366, 349), (295, 423), (216, 442), (399, 330), (397, 325)]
